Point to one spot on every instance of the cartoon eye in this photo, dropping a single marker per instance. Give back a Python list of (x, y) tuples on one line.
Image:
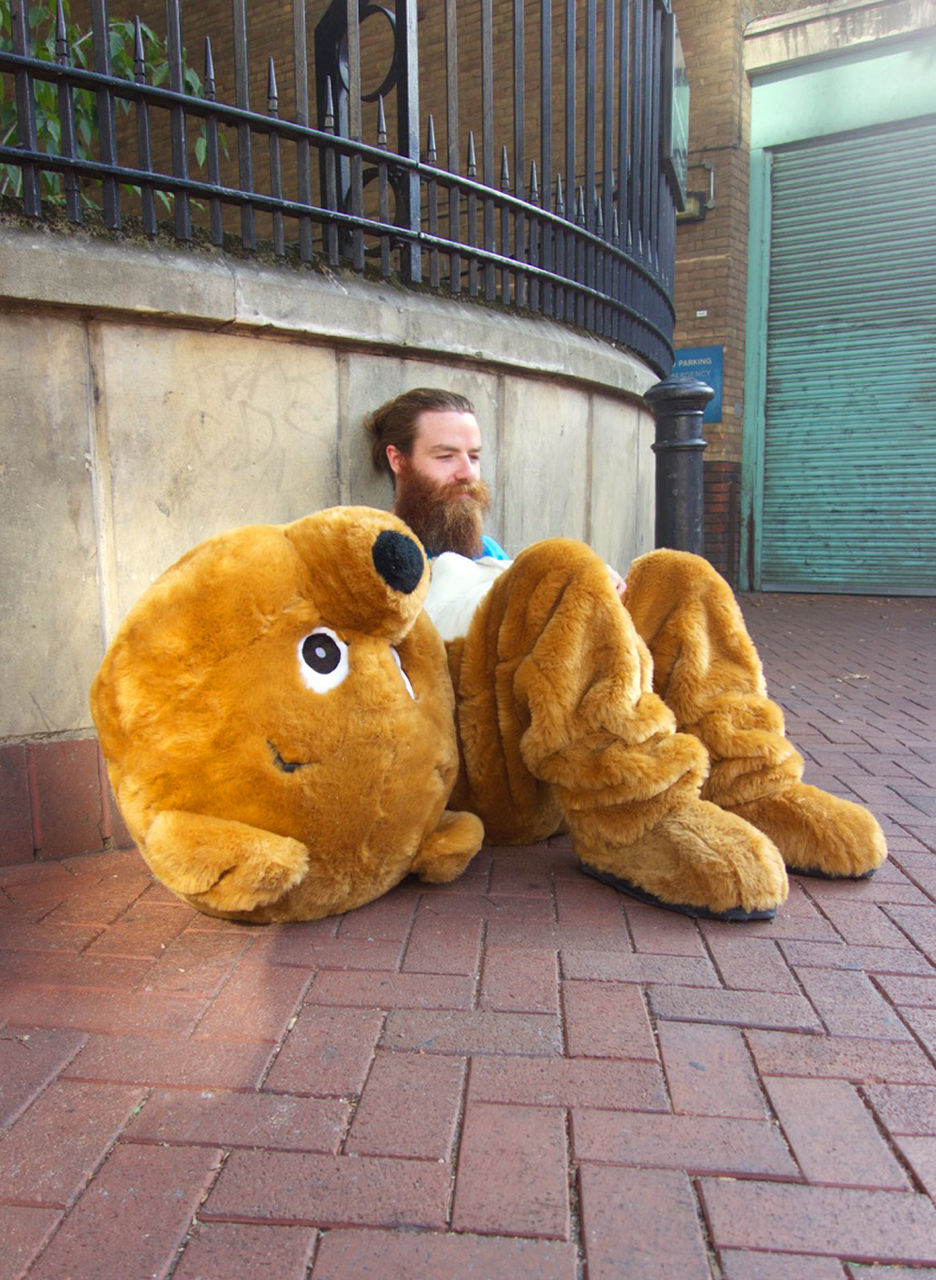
[(323, 660), (406, 679)]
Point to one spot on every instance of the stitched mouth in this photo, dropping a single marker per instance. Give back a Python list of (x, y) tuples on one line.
[(287, 766)]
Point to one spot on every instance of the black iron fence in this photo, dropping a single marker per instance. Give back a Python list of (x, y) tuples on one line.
[(541, 181)]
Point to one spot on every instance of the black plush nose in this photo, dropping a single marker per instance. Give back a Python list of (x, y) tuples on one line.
[(398, 560)]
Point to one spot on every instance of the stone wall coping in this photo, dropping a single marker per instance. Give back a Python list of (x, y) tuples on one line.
[(212, 290), (835, 27)]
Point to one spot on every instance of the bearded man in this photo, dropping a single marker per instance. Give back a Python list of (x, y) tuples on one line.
[(644, 729)]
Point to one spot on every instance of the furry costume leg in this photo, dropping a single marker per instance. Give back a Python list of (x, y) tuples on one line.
[(706, 669), (558, 723)]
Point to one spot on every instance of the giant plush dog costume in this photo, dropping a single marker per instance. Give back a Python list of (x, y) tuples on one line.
[(281, 733)]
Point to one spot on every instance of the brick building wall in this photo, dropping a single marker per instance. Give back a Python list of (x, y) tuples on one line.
[(711, 253)]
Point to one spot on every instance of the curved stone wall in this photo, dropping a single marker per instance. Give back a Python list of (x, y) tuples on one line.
[(151, 397)]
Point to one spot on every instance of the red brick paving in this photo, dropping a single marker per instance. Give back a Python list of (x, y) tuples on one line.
[(522, 1074)]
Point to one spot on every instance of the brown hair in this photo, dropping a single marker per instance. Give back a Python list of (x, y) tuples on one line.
[(395, 421)]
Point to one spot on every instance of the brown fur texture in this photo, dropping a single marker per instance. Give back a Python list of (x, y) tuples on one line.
[(646, 732), (707, 670), (251, 793), (558, 723)]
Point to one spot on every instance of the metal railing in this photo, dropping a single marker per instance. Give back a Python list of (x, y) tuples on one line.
[(588, 241)]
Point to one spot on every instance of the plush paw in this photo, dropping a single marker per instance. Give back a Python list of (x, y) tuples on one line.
[(818, 833), (699, 860), (222, 865), (446, 852)]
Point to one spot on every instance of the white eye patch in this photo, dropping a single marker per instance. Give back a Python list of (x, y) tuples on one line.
[(323, 660)]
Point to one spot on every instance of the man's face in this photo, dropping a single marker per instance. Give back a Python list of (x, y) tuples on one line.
[(446, 450), (439, 492)]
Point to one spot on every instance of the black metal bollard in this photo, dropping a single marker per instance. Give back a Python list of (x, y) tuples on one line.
[(677, 405)]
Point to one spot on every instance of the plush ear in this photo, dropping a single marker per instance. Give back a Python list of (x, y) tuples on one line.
[(365, 569)]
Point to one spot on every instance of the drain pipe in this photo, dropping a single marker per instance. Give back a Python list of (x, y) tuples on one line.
[(677, 405)]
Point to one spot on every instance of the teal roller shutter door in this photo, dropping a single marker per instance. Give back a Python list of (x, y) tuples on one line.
[(849, 480)]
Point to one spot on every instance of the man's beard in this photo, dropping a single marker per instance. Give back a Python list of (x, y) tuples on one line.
[(444, 517)]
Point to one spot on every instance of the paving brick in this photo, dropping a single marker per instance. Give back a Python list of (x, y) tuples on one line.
[(409, 1107), (562, 1082), (101, 901), (662, 932), (328, 1052), (167, 1060), (521, 872), (908, 991), (822, 955), (874, 1272), (918, 923), (198, 963), (640, 1224), (329, 1191), (734, 1008), (506, 932), (583, 900), (523, 980), (255, 1004), (133, 1217), (426, 1256), (862, 923), (142, 931), (742, 1264), (224, 1118), (29, 1061), (28, 935), (833, 1135), (754, 964), (627, 966), (108, 1012), (237, 1251), (864, 1061), (478, 1031), (439, 944), (57, 968), (849, 1005), (482, 907), (923, 1023), (512, 1176), (698, 1144), (317, 951), (797, 920), (887, 1226), (384, 990), (709, 1071), (24, 1231), (904, 1108), (607, 1020), (79, 1123), (389, 919), (920, 1154)]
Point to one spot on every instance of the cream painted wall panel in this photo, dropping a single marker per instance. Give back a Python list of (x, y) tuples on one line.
[(544, 463), (623, 479), (203, 432), (49, 610)]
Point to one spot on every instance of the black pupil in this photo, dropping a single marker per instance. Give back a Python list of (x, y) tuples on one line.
[(321, 653)]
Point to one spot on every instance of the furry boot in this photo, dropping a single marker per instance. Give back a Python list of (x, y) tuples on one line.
[(558, 724), (707, 671)]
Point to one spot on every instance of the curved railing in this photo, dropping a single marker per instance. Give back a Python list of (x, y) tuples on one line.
[(112, 123)]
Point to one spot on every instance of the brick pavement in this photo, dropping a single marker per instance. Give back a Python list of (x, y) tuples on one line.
[(518, 1075)]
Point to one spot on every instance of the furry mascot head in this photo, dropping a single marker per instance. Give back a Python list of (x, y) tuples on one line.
[(277, 719)]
